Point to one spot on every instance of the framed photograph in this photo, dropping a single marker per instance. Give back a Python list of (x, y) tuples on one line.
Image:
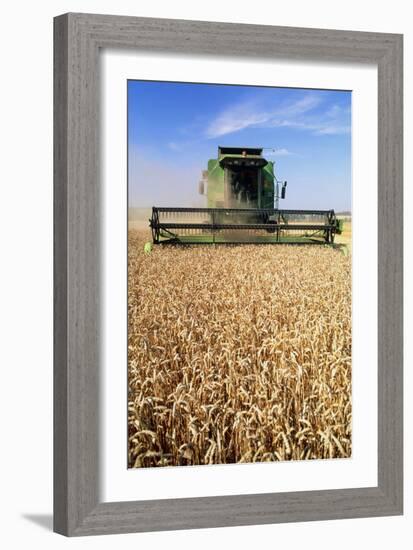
[(228, 274)]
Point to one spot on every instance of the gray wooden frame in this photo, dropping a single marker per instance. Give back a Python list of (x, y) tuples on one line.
[(78, 39)]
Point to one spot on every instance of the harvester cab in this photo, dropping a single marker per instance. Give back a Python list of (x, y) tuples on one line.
[(242, 195)]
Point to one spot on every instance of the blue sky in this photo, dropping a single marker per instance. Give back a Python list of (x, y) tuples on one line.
[(174, 128)]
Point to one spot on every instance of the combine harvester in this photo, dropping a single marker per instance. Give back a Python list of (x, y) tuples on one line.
[(243, 196)]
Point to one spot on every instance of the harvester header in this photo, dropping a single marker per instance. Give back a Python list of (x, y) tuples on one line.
[(242, 195)]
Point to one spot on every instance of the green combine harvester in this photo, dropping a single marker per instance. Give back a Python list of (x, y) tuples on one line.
[(243, 196)]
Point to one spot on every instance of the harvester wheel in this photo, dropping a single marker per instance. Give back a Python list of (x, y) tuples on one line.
[(272, 226)]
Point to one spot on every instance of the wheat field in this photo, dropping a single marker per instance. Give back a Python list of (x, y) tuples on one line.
[(237, 354)]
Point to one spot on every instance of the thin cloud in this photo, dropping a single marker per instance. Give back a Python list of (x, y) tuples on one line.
[(282, 152), (324, 127), (300, 106), (297, 114), (235, 119), (333, 130), (174, 146), (249, 113)]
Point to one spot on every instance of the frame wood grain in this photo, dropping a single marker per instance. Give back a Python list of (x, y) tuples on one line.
[(78, 39)]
